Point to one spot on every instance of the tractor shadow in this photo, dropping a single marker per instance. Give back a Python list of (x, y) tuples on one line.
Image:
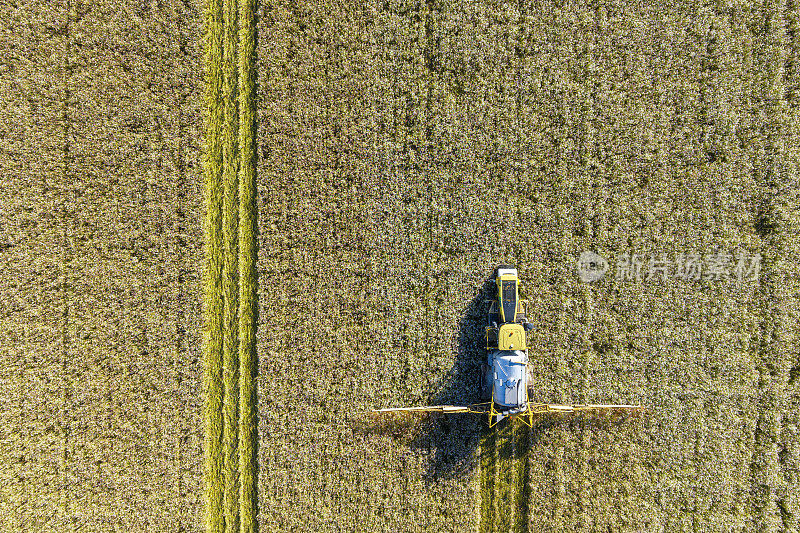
[(453, 439)]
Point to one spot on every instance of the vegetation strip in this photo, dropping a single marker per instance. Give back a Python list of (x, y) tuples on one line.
[(504, 481), (231, 285), (522, 491), (212, 355), (487, 473), (230, 222)]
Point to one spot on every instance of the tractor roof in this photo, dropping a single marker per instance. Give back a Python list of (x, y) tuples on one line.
[(506, 270)]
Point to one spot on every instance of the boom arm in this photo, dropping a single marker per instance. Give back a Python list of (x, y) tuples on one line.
[(449, 409), (495, 416), (537, 408)]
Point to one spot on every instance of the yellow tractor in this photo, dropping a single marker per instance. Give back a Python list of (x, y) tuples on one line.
[(504, 376)]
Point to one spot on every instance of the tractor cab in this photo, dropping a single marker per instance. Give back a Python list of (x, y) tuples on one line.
[(506, 306), (507, 294)]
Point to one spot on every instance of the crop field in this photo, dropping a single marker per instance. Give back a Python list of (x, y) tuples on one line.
[(101, 215), (399, 151)]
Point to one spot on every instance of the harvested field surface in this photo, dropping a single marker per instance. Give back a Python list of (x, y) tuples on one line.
[(404, 149)]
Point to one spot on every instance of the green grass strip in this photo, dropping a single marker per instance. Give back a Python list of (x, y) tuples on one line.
[(231, 286), (230, 270), (212, 354), (248, 283)]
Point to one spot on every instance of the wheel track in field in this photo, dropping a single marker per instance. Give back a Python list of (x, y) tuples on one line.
[(230, 294), (504, 477)]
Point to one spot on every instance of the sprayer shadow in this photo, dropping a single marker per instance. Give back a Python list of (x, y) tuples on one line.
[(454, 439)]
